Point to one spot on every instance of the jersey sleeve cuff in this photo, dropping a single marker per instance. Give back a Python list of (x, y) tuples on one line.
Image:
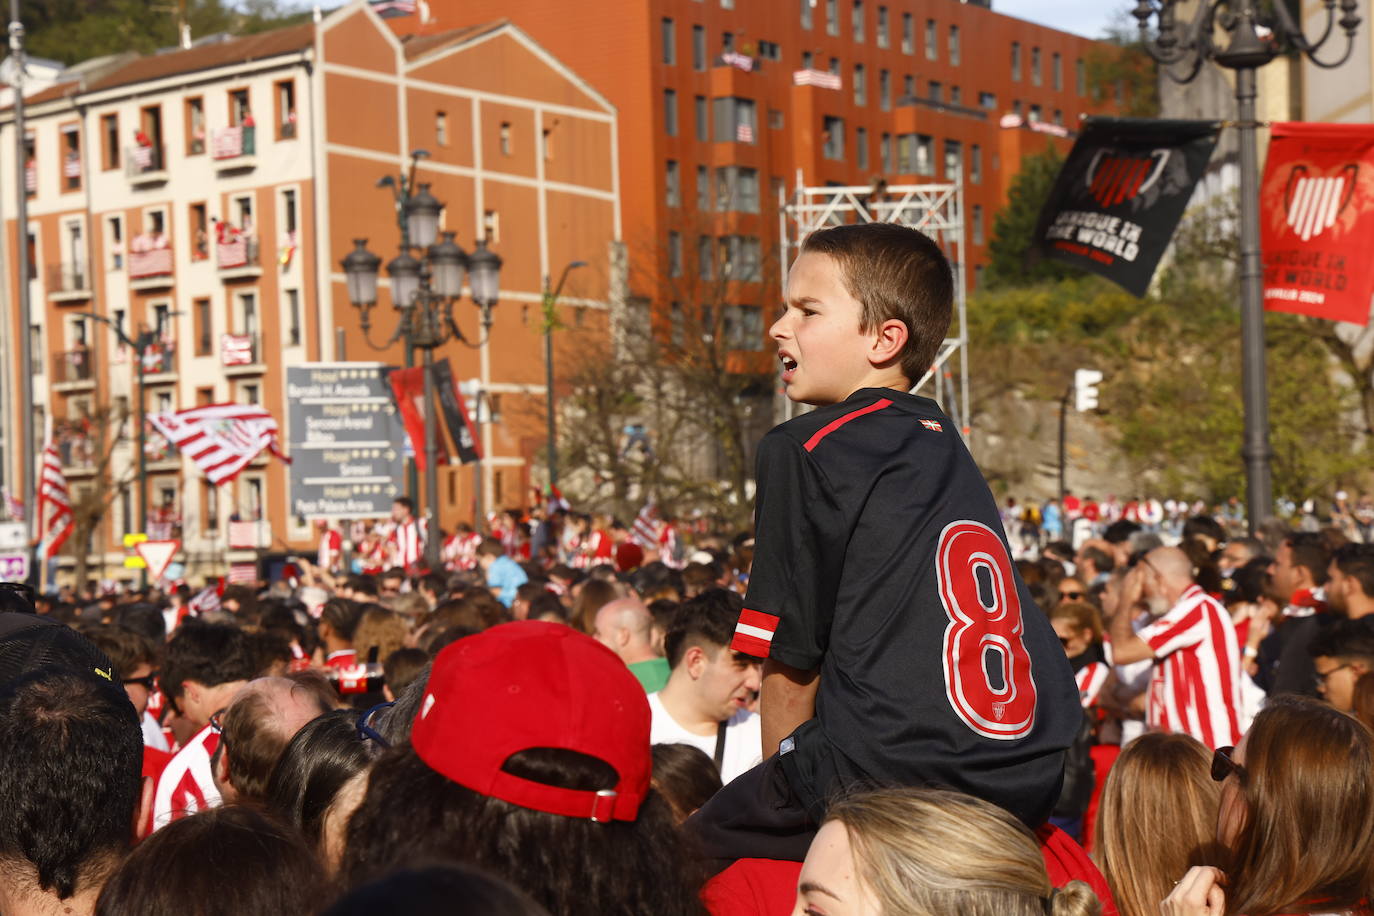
[(754, 633)]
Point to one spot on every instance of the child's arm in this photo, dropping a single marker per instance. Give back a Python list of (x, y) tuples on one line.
[(786, 700)]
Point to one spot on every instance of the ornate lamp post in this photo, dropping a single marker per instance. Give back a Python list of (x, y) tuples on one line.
[(1254, 36), (423, 292)]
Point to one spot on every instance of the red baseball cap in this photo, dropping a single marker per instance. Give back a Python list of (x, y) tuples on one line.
[(536, 684)]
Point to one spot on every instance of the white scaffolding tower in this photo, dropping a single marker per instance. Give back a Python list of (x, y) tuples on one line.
[(936, 209)]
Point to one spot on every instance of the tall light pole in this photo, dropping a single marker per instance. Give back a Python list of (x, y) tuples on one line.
[(140, 346), (21, 215), (1253, 39), (424, 291), (550, 322)]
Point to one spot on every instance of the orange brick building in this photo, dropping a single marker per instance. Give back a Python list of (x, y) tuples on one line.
[(206, 196)]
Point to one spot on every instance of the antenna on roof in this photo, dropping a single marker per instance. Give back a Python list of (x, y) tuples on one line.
[(317, 14)]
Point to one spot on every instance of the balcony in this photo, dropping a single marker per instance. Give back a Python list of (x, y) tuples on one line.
[(31, 178), (76, 450), (150, 262), (160, 362), (145, 164), (237, 255), (241, 354), (234, 148), (68, 282), (71, 171), (73, 370)]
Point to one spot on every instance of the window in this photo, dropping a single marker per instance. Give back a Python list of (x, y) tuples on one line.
[(156, 222), (36, 346), (932, 40), (195, 126), (703, 119), (162, 320), (238, 106), (441, 128), (491, 227), (727, 42), (806, 21), (936, 91), (743, 327), (955, 52), (293, 315), (884, 90), (698, 47), (987, 100), (770, 50), (954, 159), (908, 34), (861, 146), (808, 60), (975, 164), (1035, 113), (775, 119), (705, 263), (505, 138), (1016, 61), (856, 20), (1016, 107), (546, 142), (977, 276), (670, 112), (703, 189), (1057, 72), (71, 157), (736, 120), (672, 185), (674, 254), (109, 142), (31, 164), (832, 17), (956, 96), (737, 189), (198, 225), (1059, 116), (885, 152), (916, 154), (669, 32), (908, 87), (977, 224), (248, 314), (288, 210), (1080, 76), (114, 240), (250, 393), (881, 29), (860, 85), (834, 137), (284, 93), (739, 258), (203, 318), (1035, 66)]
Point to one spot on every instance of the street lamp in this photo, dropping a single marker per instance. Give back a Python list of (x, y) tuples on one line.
[(140, 345), (550, 320), (424, 291), (1254, 38)]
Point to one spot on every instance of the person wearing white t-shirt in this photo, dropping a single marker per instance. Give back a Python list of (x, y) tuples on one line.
[(705, 702)]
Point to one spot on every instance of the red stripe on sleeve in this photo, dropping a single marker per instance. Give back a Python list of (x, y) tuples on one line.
[(759, 619), (750, 645), (836, 424)]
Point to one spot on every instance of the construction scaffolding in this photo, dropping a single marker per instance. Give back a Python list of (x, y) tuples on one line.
[(936, 209)]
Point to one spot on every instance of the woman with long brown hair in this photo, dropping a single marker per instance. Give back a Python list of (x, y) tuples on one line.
[(1156, 819), (1296, 819)]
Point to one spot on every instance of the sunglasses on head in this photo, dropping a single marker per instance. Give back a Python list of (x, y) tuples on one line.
[(1223, 765)]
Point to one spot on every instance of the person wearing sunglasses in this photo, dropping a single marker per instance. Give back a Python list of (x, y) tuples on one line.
[(1296, 821), (1342, 652)]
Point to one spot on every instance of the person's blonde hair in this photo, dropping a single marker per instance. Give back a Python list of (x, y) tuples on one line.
[(1157, 818), (379, 629), (932, 852)]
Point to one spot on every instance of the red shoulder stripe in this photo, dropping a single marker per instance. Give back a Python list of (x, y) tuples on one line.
[(836, 424)]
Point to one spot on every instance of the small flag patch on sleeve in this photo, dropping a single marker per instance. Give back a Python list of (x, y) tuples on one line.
[(933, 425), (754, 633)]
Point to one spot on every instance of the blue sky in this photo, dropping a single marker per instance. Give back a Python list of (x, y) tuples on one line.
[(1084, 17)]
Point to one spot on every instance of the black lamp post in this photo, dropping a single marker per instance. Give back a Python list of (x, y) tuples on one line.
[(424, 291), (1254, 37)]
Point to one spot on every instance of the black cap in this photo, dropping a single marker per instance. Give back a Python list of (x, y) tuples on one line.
[(29, 642)]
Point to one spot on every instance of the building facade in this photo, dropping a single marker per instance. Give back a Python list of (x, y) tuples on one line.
[(199, 203)]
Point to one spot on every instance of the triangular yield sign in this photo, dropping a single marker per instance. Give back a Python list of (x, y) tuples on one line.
[(158, 555)]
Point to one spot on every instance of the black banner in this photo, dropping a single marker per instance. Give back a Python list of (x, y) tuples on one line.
[(456, 414), (1120, 196)]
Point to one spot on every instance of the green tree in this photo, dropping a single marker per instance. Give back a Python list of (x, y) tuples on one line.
[(1014, 227)]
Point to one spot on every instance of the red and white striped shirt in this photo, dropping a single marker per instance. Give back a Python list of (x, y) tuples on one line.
[(460, 550), (186, 784), (1091, 677), (405, 544), (331, 550), (1195, 688)]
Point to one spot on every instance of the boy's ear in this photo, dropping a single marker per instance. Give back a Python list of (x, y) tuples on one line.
[(889, 339)]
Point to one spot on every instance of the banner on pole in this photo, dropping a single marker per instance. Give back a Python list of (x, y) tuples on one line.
[(460, 427), (408, 388), (1317, 222), (1120, 196)]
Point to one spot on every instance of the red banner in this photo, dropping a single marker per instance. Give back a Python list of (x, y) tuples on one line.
[(408, 387), (1317, 220)]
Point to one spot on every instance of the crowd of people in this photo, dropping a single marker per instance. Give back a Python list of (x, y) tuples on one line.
[(865, 706)]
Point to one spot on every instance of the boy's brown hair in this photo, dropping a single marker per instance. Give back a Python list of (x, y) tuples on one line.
[(894, 272)]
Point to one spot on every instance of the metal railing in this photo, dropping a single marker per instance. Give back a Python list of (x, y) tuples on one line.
[(73, 366), (235, 253), (143, 160), (68, 278), (232, 142)]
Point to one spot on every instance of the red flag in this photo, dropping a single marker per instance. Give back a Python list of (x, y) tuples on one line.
[(220, 438), (1317, 202), (54, 504), (408, 386)]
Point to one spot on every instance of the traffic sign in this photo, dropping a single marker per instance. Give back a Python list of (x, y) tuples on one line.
[(158, 555), (14, 567), (13, 535)]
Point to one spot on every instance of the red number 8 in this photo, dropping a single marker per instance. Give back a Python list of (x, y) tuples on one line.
[(979, 627)]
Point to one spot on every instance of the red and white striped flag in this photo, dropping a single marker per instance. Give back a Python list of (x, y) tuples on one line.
[(644, 531), (220, 438), (14, 507), (54, 503)]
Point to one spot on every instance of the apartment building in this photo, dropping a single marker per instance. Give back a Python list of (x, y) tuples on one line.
[(199, 202)]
